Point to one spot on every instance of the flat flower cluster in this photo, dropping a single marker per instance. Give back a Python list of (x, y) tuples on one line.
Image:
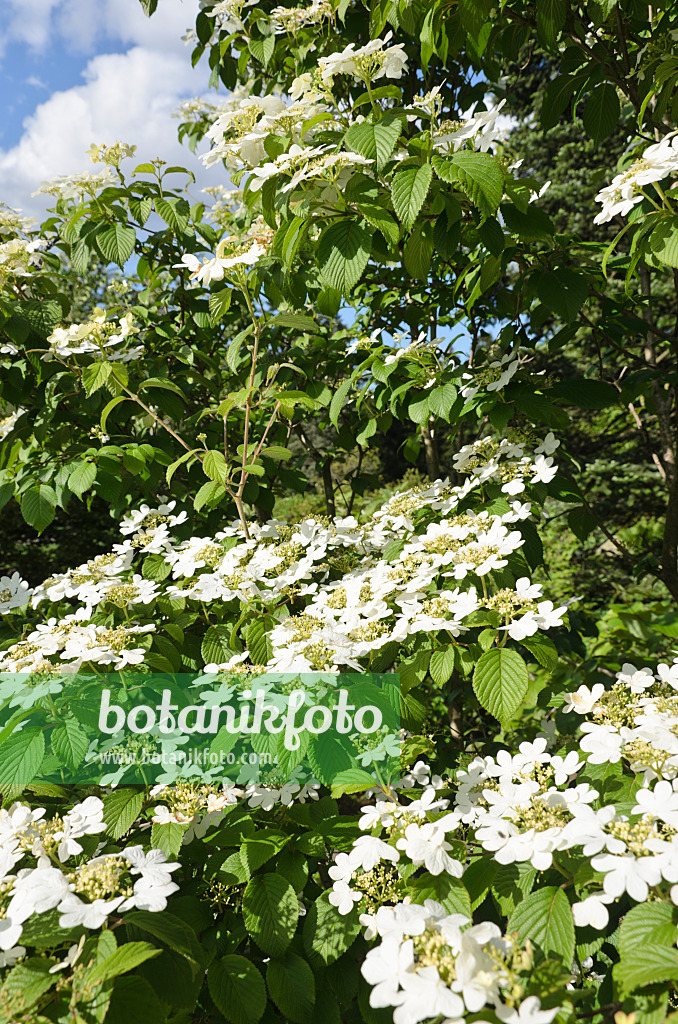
[(97, 335), (659, 161), (43, 867), (348, 595)]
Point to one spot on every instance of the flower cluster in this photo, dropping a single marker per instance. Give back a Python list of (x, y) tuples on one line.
[(53, 873), (355, 599), (658, 161), (97, 335)]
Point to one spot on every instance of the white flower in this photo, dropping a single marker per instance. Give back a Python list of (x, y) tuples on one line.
[(385, 968), (592, 912), (627, 873), (343, 897), (368, 851), (14, 592), (583, 700), (529, 1012), (75, 912), (426, 844), (637, 679)]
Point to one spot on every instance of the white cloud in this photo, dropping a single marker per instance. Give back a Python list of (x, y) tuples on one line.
[(127, 96), (83, 24)]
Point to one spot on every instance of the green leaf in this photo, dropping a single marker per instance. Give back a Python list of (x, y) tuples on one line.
[(214, 466), (352, 780), (292, 987), (328, 934), (117, 243), (441, 400), (545, 918), (124, 959), (211, 493), (233, 351), (170, 930), (219, 304), (21, 757), (601, 113), (260, 847), (258, 642), (500, 682), (408, 192), (297, 321), (155, 568), (648, 923), (375, 141), (418, 252), (168, 837), (174, 211), (550, 20), (215, 645), (24, 985), (543, 649), (164, 384), (262, 49), (70, 742), (563, 291), (82, 477), (478, 174), (663, 241), (343, 251), (121, 810), (276, 452), (133, 1001), (238, 989), (338, 400), (647, 965), (270, 910), (95, 376), (38, 506), (109, 407), (442, 664)]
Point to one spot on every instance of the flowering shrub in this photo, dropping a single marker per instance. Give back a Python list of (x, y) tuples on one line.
[(521, 865)]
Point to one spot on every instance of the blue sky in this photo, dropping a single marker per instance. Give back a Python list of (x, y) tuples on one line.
[(74, 72)]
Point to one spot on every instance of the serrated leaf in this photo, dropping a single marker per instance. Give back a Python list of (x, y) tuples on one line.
[(168, 837), (125, 958), (663, 241), (650, 964), (38, 506), (297, 321), (174, 211), (215, 645), (478, 174), (375, 141), (70, 742), (211, 493), (338, 401), (237, 988), (441, 665), (292, 987), (117, 243), (408, 192), (270, 910), (441, 400), (259, 643), (500, 682), (214, 466), (219, 304), (342, 252), (82, 477), (545, 918), (328, 934), (95, 376), (550, 20), (121, 810), (22, 755), (648, 923), (601, 112)]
